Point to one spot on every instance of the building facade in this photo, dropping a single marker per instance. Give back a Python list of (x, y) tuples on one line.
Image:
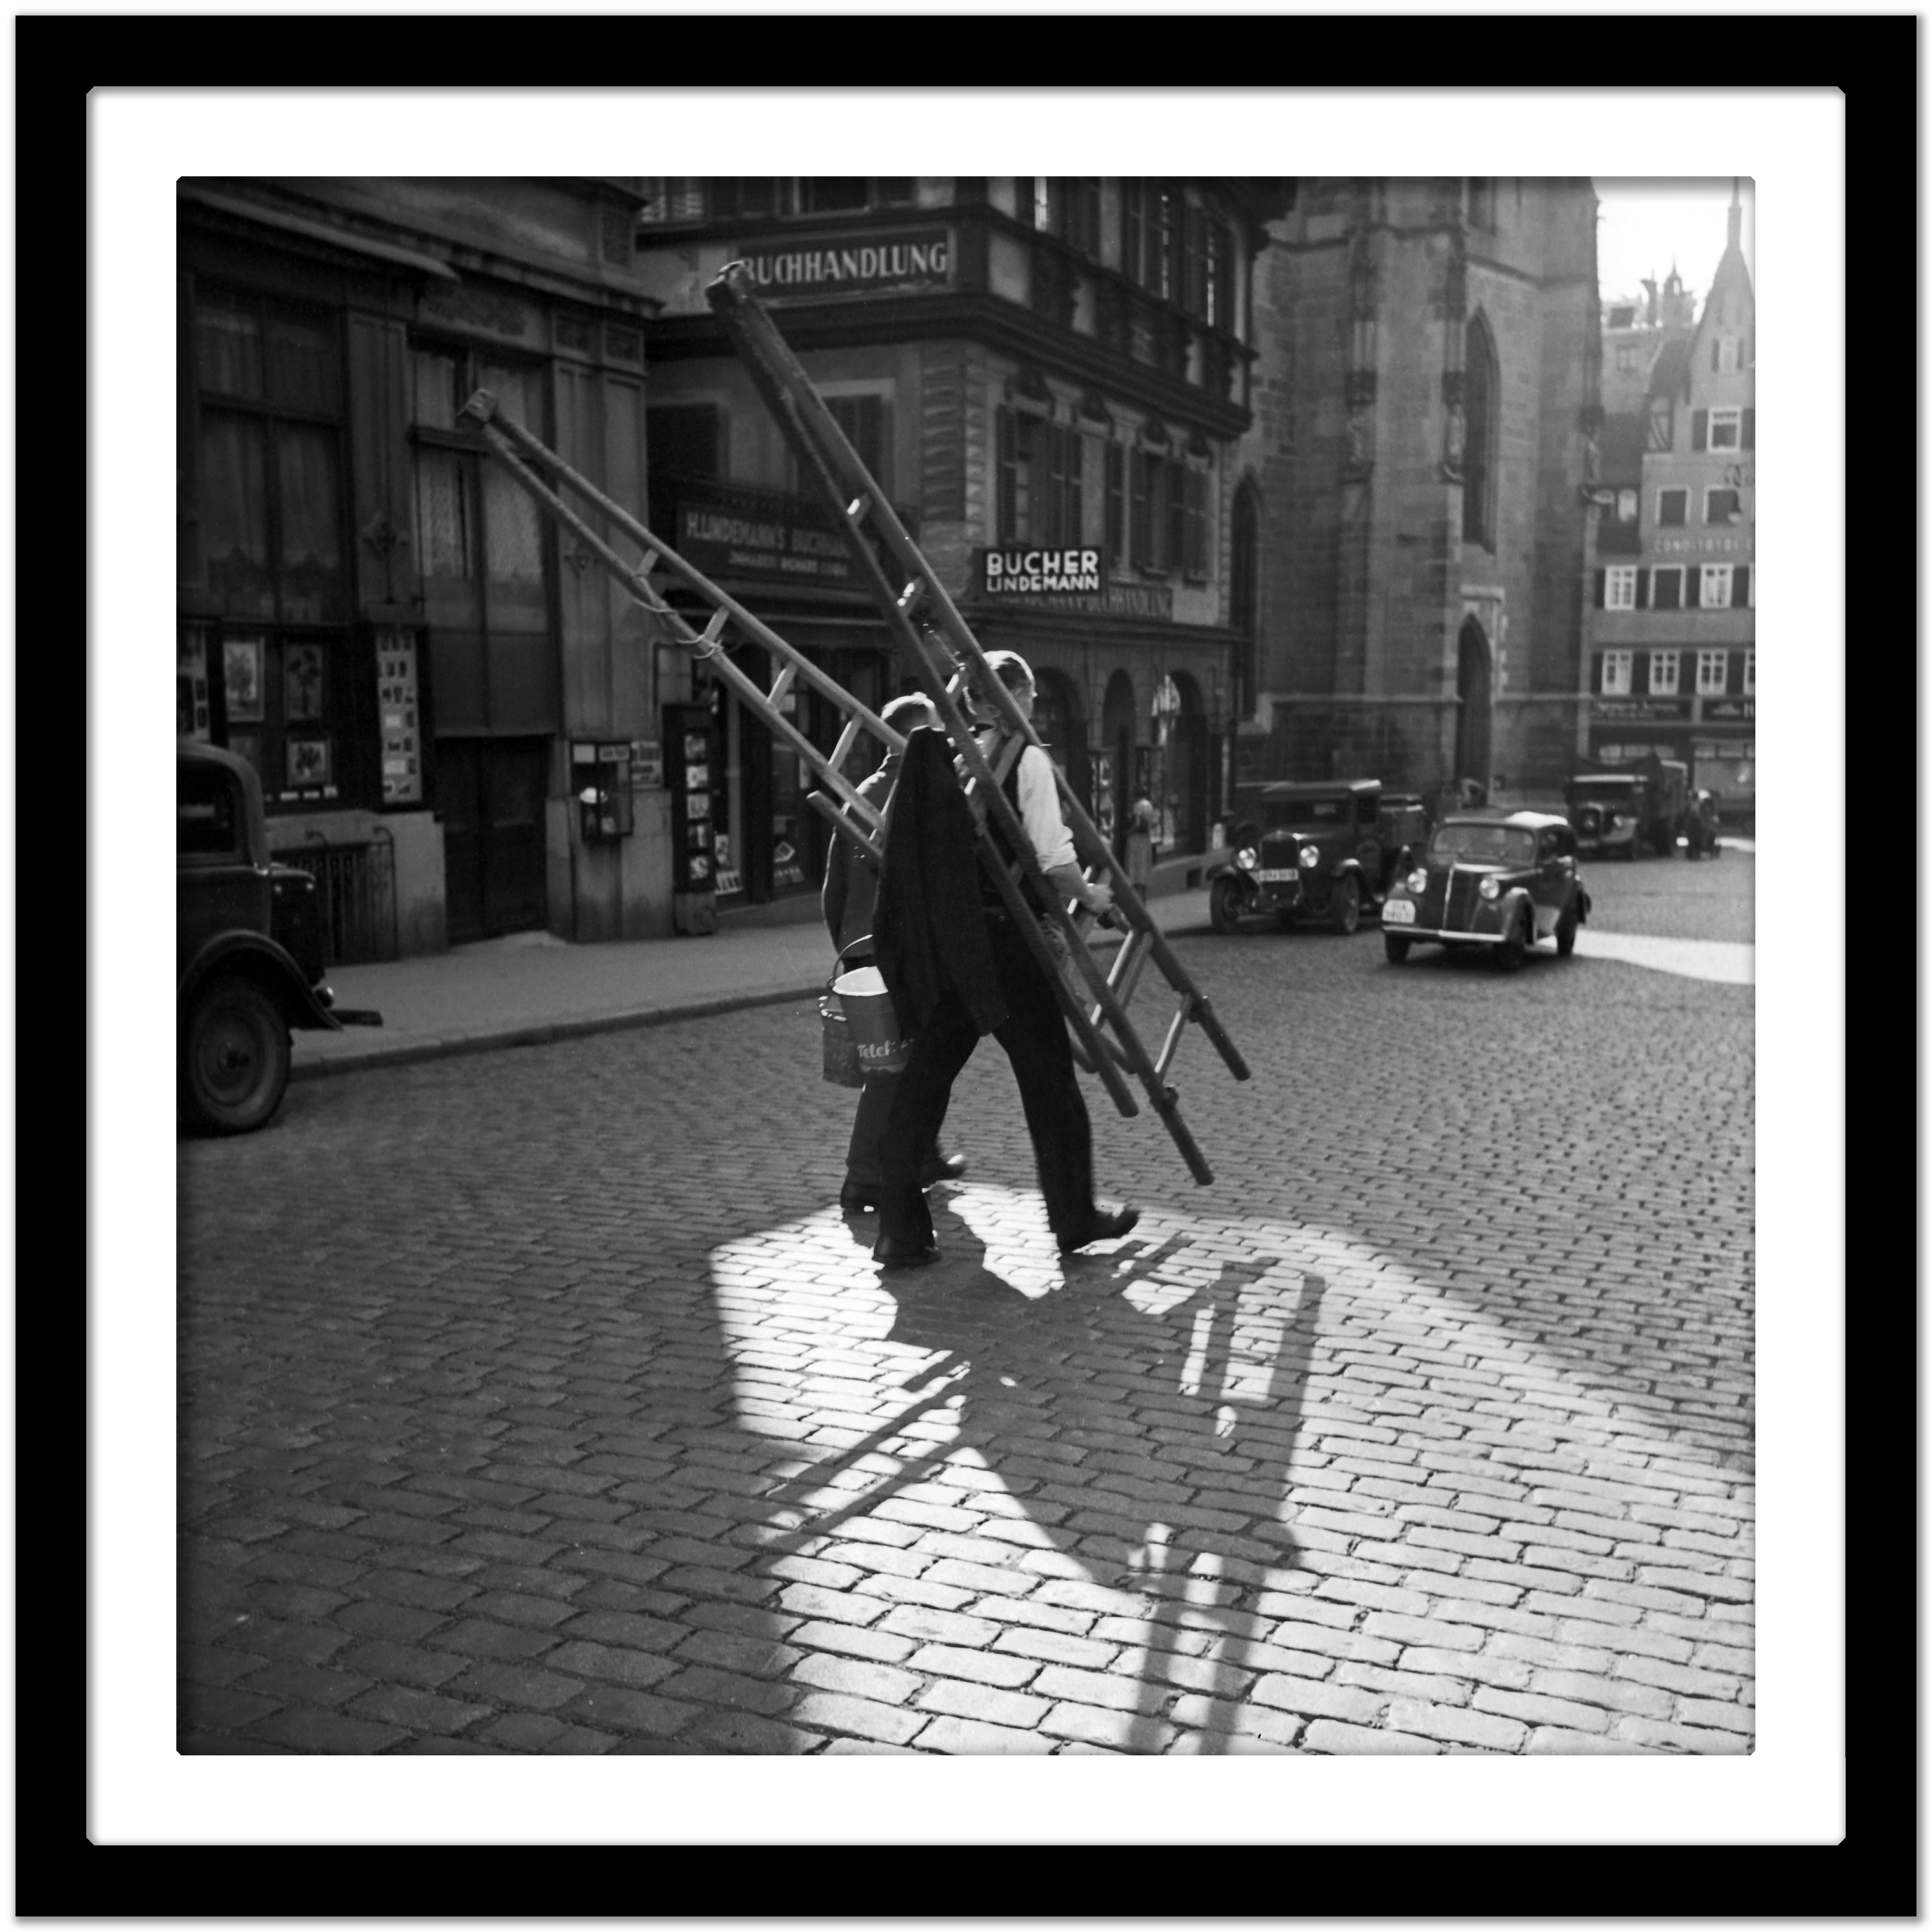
[(1672, 659), (1425, 396), (1049, 377), (369, 609)]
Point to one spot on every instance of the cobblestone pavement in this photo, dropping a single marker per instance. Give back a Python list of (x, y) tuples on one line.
[(541, 1401)]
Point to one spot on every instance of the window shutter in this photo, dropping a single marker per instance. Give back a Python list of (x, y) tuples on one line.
[(1640, 673), (1740, 586), (1642, 588), (1597, 667), (1750, 429), (1600, 590), (1700, 424), (1693, 583)]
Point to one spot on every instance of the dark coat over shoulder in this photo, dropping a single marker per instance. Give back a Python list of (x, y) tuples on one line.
[(930, 925)]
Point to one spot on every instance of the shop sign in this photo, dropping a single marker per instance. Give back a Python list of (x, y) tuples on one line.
[(1027, 573), (1699, 546), (1736, 710), (1641, 710), (396, 698), (842, 265), (753, 533), (1737, 750), (646, 764)]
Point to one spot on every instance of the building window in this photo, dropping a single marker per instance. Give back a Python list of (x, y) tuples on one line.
[(1620, 587), (1724, 354), (1244, 596), (1750, 673), (866, 421), (1727, 428), (1480, 396), (1711, 668), (268, 383), (1141, 467), (1220, 276), (1673, 506), (1039, 497), (1194, 552), (831, 194), (1133, 228), (1722, 506), (1659, 436), (1663, 671), (1117, 504), (1666, 587), (1616, 674), (1626, 506), (1067, 205), (1480, 200), (1630, 358), (1714, 586)]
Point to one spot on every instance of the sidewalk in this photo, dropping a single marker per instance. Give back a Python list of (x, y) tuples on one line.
[(532, 988)]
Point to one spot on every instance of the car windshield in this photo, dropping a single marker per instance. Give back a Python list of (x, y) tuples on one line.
[(1510, 844), (1314, 814), (1603, 787)]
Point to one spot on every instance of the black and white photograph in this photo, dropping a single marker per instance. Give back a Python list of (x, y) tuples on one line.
[(981, 978)]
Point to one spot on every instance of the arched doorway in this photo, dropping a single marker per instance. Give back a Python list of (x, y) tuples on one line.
[(1114, 776), (1474, 712), (1056, 717), (1179, 783)]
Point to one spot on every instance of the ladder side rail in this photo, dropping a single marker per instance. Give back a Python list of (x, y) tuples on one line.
[(496, 428), (861, 842), (747, 687)]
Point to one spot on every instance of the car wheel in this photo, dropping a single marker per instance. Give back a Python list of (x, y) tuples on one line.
[(1516, 942), (1396, 945), (234, 1058), (1345, 905), (1566, 932), (1224, 905)]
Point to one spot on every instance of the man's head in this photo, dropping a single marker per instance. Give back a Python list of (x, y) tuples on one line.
[(1015, 673), (907, 715)]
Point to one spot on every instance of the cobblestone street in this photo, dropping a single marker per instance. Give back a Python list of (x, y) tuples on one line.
[(541, 1400)]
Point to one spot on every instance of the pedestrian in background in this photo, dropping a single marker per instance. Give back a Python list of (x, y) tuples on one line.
[(958, 965), (848, 900)]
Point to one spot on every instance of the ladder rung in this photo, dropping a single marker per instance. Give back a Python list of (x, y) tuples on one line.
[(847, 738), (782, 686), (911, 594), (856, 509), (707, 638)]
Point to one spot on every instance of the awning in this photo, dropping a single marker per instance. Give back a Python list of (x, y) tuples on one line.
[(320, 231)]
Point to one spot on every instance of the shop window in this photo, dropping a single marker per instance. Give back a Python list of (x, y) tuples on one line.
[(1615, 674), (1620, 587), (1712, 666), (1750, 673), (270, 477), (1666, 587), (1662, 673), (1723, 506), (1673, 506), (1714, 586)]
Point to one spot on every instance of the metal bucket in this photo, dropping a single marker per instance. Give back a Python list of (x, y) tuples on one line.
[(841, 1064), (875, 1028)]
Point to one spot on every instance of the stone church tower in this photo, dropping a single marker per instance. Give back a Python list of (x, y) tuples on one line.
[(1426, 403)]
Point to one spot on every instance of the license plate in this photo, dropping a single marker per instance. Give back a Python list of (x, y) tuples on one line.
[(1275, 875), (1399, 912)]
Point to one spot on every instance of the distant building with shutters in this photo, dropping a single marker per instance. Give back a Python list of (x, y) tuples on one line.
[(1671, 657), (1424, 398)]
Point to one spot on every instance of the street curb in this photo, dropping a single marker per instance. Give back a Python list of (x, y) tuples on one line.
[(545, 1034)]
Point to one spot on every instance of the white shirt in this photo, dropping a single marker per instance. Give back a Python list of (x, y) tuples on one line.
[(1040, 807)]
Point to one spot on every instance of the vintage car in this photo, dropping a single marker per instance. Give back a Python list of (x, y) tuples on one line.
[(248, 949), (1618, 813), (1301, 851), (1499, 880)]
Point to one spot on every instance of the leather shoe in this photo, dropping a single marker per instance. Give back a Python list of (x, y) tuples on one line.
[(1104, 1228), (855, 1199), (889, 1253), (942, 1167)]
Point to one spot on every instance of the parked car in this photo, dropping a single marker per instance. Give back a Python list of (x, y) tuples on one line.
[(1503, 880), (1303, 851), (1701, 824), (1619, 812), (248, 949)]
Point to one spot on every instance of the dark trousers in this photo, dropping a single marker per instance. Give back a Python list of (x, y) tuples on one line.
[(1034, 1037), (863, 1163)]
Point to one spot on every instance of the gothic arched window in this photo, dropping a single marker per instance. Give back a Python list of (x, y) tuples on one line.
[(1480, 389), (1244, 597)]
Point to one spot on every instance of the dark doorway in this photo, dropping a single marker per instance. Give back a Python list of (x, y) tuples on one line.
[(1473, 712), (489, 795), (1056, 717), (1113, 783)]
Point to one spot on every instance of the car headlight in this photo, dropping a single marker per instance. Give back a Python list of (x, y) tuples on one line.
[(1490, 886), (1418, 879), (1310, 858), (1247, 858)]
